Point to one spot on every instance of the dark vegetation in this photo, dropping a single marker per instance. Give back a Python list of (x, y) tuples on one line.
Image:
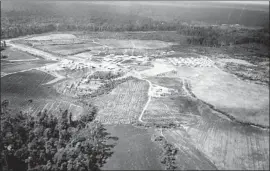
[(20, 19), (103, 75), (168, 154), (259, 74), (216, 36), (3, 46), (108, 87), (47, 143)]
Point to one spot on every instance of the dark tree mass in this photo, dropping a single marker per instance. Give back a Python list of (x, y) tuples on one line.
[(33, 18), (48, 143)]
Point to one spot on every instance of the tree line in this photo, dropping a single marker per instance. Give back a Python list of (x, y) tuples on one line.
[(216, 36), (49, 143)]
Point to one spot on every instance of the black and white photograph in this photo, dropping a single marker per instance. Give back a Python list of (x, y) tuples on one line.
[(134, 85)]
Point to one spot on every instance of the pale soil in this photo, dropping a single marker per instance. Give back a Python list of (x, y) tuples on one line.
[(230, 94), (136, 44), (53, 37), (160, 66)]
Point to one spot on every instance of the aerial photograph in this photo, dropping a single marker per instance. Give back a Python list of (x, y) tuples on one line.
[(134, 85)]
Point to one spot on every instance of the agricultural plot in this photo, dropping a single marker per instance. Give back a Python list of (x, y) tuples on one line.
[(123, 104), (245, 101), (136, 44), (15, 55), (188, 157), (228, 145), (13, 67), (53, 107), (52, 42), (174, 109), (70, 49), (52, 37), (26, 84)]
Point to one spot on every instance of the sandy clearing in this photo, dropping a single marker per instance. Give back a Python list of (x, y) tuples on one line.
[(160, 66), (53, 37)]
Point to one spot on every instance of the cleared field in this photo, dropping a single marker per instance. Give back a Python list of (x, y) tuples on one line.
[(69, 49), (11, 67), (53, 37), (188, 157), (228, 145), (134, 150), (21, 87), (172, 110), (136, 44), (53, 107), (26, 84), (160, 66), (15, 55), (244, 100), (124, 104)]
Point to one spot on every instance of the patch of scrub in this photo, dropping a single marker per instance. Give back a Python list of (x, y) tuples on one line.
[(237, 61)]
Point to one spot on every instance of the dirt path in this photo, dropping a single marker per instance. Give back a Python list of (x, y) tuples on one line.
[(148, 101)]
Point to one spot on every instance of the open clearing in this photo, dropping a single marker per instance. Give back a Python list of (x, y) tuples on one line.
[(228, 145), (69, 49), (136, 44), (123, 104), (15, 55), (244, 100), (181, 88), (26, 84), (53, 37)]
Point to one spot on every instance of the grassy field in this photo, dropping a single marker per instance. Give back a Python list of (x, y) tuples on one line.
[(228, 145), (245, 101), (124, 104), (136, 44), (69, 49), (13, 54), (167, 36), (21, 87), (11, 67), (134, 150), (26, 84)]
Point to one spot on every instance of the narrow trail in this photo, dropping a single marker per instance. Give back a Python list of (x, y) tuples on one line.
[(148, 101)]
